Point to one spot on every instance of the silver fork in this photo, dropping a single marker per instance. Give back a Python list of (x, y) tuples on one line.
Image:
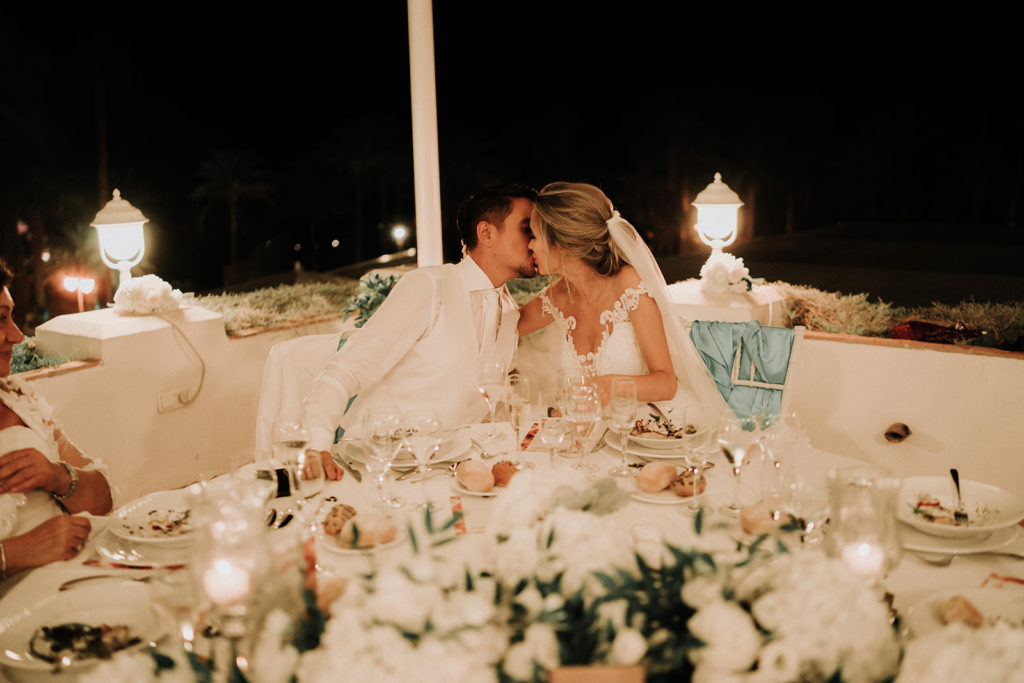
[(960, 514)]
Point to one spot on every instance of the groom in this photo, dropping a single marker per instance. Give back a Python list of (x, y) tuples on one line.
[(420, 349)]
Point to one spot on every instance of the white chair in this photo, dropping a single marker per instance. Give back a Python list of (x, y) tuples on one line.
[(287, 378)]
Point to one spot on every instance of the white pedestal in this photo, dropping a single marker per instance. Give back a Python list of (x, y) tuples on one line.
[(764, 303)]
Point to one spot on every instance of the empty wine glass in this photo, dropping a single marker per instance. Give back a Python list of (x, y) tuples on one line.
[(694, 466), (422, 438), (290, 438), (492, 381), (518, 409), (621, 412), (738, 438), (311, 481), (552, 435), (806, 499), (382, 431)]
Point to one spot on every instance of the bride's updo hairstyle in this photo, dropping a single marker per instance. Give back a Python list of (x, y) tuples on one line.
[(573, 217)]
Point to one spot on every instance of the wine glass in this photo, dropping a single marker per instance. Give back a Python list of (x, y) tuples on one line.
[(622, 417), (738, 438), (518, 408), (583, 413), (806, 499), (311, 481), (382, 431), (492, 380), (552, 435), (290, 439), (568, 379), (422, 438)]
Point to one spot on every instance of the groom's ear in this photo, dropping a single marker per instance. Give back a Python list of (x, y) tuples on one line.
[(485, 232)]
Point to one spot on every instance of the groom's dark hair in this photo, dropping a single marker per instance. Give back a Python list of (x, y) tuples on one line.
[(492, 204)]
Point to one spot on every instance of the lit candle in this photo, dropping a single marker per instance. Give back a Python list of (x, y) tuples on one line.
[(866, 560), (226, 583)]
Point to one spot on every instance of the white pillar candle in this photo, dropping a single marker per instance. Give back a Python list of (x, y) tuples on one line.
[(226, 582), (866, 560)]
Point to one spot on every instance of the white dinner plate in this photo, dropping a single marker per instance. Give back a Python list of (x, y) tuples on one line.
[(981, 543), (331, 543), (989, 508), (676, 453), (467, 492), (134, 521), (125, 552), (93, 603), (453, 446), (923, 618), (657, 444)]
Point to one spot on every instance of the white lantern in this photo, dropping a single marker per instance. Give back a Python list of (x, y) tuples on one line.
[(717, 214), (122, 243)]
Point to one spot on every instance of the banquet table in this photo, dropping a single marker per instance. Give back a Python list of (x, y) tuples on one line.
[(913, 580)]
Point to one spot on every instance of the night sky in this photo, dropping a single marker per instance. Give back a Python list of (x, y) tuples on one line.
[(858, 115)]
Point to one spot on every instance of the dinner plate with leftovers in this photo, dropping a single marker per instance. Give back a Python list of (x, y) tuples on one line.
[(928, 503), (164, 517), (974, 608)]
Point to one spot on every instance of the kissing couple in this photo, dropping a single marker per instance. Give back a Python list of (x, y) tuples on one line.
[(609, 303)]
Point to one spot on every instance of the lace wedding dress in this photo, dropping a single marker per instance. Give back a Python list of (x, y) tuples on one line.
[(21, 512)]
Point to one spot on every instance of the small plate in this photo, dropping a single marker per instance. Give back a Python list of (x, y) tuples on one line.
[(123, 552), (982, 543), (657, 444), (923, 618), (132, 522), (451, 448), (676, 453), (97, 602), (989, 508), (481, 494), (331, 544)]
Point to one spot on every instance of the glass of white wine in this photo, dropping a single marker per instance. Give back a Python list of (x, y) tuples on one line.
[(492, 380), (583, 413), (382, 431), (621, 412), (518, 409)]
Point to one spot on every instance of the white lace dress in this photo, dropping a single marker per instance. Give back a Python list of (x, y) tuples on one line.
[(21, 512)]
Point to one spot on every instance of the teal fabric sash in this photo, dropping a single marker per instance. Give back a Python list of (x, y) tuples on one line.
[(339, 431), (768, 348)]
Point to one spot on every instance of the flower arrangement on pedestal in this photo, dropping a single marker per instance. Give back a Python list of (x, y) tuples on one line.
[(146, 295), (724, 273)]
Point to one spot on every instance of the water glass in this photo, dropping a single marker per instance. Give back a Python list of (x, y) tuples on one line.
[(422, 438), (621, 412), (519, 411), (289, 439), (583, 412)]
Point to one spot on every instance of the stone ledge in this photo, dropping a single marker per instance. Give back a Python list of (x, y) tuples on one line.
[(915, 345)]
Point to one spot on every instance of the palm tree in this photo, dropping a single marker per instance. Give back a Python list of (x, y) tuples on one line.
[(232, 176)]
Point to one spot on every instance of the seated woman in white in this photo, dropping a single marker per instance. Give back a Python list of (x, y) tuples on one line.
[(43, 476), (611, 300)]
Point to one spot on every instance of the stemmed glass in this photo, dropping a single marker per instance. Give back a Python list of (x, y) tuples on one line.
[(552, 435), (422, 438), (583, 413), (492, 380), (806, 499), (518, 408), (290, 439), (739, 437), (382, 430), (311, 482), (622, 416)]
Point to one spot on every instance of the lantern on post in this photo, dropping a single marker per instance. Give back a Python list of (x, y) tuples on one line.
[(717, 215), (122, 242)]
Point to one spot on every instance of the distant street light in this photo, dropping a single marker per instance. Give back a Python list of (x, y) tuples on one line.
[(80, 285), (122, 242), (717, 215), (400, 234)]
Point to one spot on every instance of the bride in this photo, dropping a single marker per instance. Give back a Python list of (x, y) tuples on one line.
[(611, 302)]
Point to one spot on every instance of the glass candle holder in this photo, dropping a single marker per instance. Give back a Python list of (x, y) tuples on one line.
[(864, 532)]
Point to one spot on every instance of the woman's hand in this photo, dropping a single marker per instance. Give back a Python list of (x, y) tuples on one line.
[(57, 539), (27, 469)]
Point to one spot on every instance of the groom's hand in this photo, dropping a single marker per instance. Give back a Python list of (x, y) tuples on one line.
[(332, 471)]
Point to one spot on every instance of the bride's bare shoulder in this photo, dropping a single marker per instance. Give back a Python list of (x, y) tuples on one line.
[(628, 278)]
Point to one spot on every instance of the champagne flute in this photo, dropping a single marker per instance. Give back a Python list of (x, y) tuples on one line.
[(738, 438), (492, 380), (622, 416), (382, 430), (552, 435), (422, 438), (518, 407)]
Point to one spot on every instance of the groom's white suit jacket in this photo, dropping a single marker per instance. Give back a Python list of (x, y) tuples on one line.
[(419, 350)]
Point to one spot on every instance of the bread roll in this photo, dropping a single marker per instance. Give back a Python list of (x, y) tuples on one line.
[(503, 472), (335, 520), (682, 485), (655, 476), (959, 608), (475, 476), (367, 531)]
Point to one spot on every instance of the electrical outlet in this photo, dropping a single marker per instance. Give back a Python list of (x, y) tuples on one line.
[(171, 399)]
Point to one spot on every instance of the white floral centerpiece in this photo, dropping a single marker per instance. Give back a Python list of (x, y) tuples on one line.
[(724, 273), (146, 295), (960, 653)]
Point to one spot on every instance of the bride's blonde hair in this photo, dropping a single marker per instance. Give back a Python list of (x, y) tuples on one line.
[(573, 217)]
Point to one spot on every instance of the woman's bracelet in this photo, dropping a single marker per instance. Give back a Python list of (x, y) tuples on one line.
[(3, 562), (73, 473)]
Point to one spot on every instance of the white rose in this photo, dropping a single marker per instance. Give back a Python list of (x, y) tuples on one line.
[(628, 648), (731, 640), (531, 600), (539, 645), (613, 613), (778, 662), (701, 591)]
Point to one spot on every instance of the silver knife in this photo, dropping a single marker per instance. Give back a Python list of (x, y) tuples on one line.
[(345, 465)]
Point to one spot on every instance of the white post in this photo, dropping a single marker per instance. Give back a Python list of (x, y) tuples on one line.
[(426, 168)]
